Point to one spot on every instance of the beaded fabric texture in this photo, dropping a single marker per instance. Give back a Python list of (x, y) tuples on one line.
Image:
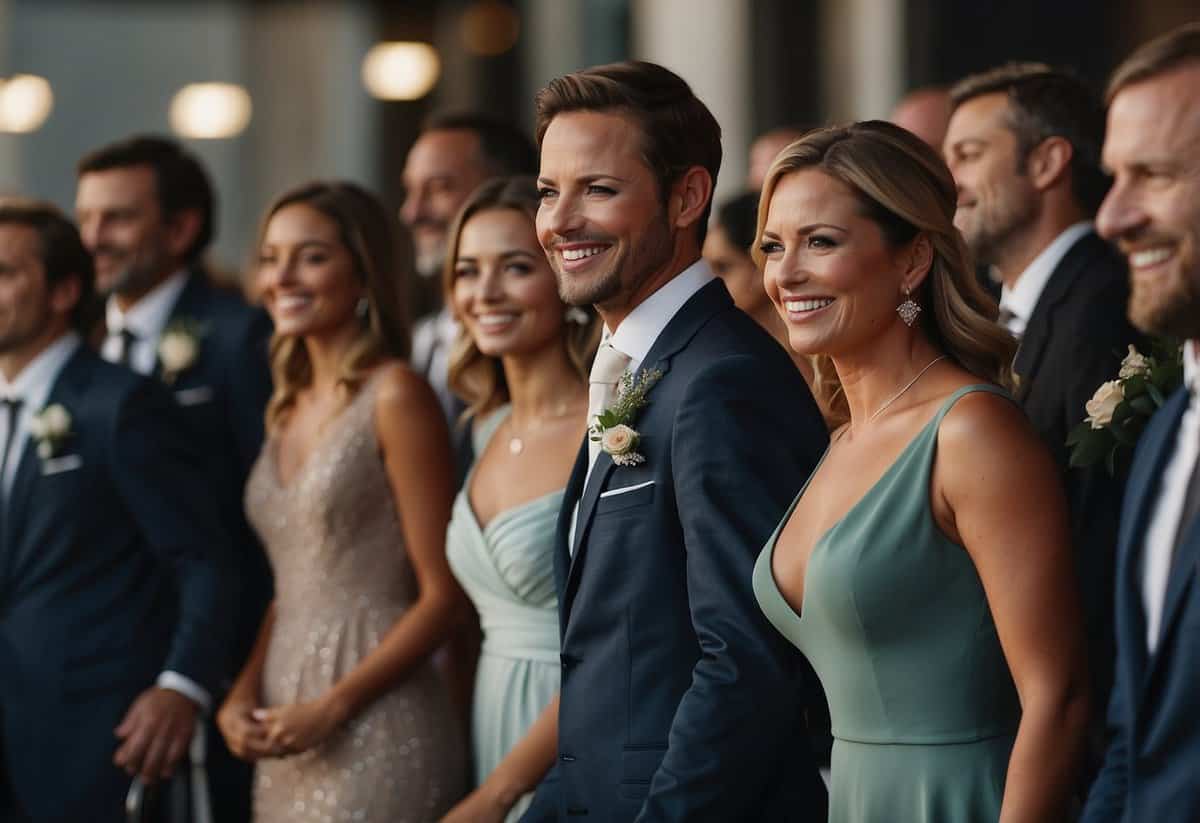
[(342, 579)]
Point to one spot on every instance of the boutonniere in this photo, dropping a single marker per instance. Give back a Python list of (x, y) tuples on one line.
[(1120, 408), (179, 347), (51, 427), (612, 428)]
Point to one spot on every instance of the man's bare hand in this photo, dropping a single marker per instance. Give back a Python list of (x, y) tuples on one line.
[(155, 734)]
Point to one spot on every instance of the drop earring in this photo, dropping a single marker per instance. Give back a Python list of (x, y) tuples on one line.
[(909, 309), (362, 308)]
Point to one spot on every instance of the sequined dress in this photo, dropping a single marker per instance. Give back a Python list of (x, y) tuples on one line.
[(342, 579)]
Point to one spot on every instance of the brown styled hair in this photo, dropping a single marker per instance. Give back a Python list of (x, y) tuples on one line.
[(906, 189), (504, 148), (1163, 53), (61, 251), (474, 376), (180, 181), (678, 131), (382, 253), (1046, 102)]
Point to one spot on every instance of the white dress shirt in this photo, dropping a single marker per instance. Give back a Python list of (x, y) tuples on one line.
[(1168, 509), (1019, 302), (147, 319), (32, 387), (642, 327)]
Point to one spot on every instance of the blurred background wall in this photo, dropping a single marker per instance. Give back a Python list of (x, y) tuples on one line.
[(104, 70)]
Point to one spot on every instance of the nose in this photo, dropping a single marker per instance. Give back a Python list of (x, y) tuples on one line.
[(89, 232), (413, 206), (1120, 213), (560, 217), (490, 288)]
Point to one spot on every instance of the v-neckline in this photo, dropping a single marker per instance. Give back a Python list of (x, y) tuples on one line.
[(331, 429)]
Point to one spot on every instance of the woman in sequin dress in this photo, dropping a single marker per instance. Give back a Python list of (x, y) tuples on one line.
[(521, 364), (339, 705)]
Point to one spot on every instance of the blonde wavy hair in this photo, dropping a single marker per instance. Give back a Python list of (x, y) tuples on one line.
[(474, 376), (382, 254), (906, 189)]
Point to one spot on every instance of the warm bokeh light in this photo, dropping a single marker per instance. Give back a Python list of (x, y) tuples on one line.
[(25, 103), (490, 28), (400, 70), (210, 111)]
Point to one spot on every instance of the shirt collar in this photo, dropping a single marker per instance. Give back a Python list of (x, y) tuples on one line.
[(147, 317), (642, 326), (1191, 368), (35, 381), (1023, 297)]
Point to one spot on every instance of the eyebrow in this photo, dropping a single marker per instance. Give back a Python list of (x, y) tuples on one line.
[(471, 258), (587, 178)]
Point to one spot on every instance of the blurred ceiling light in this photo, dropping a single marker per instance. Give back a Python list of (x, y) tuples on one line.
[(490, 28), (210, 111), (25, 103), (400, 70)]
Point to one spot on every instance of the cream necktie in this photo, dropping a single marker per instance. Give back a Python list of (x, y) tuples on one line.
[(607, 369)]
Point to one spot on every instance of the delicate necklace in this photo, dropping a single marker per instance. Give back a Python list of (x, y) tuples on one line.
[(516, 441), (907, 386)]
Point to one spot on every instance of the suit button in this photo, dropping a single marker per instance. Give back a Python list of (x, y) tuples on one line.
[(568, 661), (566, 758)]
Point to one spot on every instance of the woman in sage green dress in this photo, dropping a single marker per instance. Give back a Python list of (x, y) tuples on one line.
[(924, 569), (521, 364)]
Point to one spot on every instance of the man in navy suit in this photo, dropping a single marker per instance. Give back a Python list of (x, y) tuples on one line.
[(113, 582), (678, 700), (146, 211), (1152, 768)]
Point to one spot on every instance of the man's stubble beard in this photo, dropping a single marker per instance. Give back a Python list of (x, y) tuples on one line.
[(651, 253), (1171, 308), (991, 237)]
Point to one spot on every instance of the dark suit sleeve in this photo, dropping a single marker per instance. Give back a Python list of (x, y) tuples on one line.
[(248, 376), (1106, 800), (161, 477), (744, 442)]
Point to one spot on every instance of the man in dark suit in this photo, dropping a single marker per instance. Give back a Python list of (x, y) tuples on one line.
[(678, 700), (1024, 146), (146, 211), (113, 580), (1153, 213)]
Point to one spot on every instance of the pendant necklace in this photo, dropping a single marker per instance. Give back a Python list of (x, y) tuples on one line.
[(516, 441), (907, 386)]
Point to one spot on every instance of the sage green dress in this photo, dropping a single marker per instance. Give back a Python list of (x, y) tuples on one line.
[(507, 569), (895, 621)]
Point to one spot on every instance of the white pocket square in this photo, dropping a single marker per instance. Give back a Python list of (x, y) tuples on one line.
[(58, 465), (194, 396), (626, 489)]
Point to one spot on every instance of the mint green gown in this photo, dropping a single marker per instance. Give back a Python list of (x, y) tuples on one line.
[(895, 621), (507, 569)]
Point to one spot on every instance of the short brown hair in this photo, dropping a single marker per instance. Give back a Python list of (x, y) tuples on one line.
[(678, 131), (476, 378), (383, 258), (504, 148), (61, 251), (180, 180), (1163, 53), (1046, 102)]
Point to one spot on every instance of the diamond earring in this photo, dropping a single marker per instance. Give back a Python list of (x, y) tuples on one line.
[(909, 309)]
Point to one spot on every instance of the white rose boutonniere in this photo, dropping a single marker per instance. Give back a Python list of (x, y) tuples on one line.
[(611, 427), (178, 348), (1103, 403), (1120, 409), (50, 427)]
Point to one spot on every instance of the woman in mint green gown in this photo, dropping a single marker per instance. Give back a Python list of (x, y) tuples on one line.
[(924, 568), (521, 364)]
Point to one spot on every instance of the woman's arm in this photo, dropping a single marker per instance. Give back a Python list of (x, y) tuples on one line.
[(244, 735), (416, 453), (997, 492), (519, 772)]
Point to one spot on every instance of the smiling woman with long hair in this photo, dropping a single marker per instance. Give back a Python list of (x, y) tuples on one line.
[(924, 569), (338, 704)]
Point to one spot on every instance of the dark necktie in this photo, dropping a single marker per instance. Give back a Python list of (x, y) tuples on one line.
[(1191, 504), (12, 405), (128, 338)]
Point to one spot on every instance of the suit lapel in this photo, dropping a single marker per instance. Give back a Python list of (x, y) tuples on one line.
[(188, 306), (1041, 322), (679, 331)]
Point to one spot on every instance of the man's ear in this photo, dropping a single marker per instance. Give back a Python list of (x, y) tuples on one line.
[(690, 195), (65, 295), (182, 230), (1049, 162)]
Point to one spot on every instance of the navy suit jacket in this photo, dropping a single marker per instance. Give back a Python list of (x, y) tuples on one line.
[(1073, 342), (1152, 767), (111, 571), (678, 700), (223, 396)]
